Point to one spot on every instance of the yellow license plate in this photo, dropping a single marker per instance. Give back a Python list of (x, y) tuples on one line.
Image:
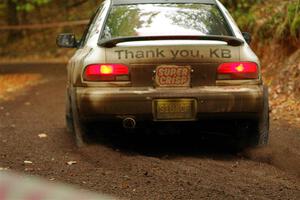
[(175, 109)]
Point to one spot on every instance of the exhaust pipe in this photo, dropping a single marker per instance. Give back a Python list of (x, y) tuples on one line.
[(129, 123)]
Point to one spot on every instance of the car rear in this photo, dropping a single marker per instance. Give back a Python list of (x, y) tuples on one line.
[(169, 61)]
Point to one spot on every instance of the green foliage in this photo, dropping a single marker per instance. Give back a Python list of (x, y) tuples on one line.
[(282, 25), (268, 19), (30, 5), (2, 8), (242, 12), (294, 18), (240, 4)]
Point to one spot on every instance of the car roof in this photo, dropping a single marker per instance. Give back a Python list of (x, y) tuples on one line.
[(129, 2)]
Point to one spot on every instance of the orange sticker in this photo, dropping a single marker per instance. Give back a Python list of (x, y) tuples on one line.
[(173, 76)]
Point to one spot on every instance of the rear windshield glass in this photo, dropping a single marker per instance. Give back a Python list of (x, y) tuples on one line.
[(165, 19)]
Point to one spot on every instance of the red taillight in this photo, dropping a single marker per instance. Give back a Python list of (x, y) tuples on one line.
[(238, 70), (106, 72)]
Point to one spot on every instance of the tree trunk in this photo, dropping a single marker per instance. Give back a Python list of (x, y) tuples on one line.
[(12, 19)]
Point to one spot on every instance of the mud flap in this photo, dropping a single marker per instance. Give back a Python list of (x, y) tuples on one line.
[(68, 114), (264, 121), (252, 134), (79, 130)]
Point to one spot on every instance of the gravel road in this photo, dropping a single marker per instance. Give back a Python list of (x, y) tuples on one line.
[(139, 166)]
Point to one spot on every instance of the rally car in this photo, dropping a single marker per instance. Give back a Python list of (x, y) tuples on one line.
[(165, 61)]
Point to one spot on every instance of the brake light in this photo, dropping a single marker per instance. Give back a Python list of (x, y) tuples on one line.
[(106, 72), (238, 70)]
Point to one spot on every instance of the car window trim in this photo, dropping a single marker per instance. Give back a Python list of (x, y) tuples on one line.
[(228, 24), (105, 21), (131, 2), (93, 19), (86, 31)]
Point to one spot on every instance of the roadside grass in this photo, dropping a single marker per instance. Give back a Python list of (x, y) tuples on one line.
[(11, 84)]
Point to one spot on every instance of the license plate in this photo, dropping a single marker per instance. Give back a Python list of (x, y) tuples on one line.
[(175, 109), (173, 76)]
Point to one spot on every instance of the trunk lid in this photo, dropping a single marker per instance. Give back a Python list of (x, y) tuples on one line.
[(143, 58)]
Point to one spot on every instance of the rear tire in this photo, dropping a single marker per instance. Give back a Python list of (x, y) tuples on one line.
[(256, 133), (74, 125)]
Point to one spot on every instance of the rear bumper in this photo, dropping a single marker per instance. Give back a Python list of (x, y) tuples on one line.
[(212, 102)]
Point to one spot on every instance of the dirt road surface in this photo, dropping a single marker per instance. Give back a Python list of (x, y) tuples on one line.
[(139, 166)]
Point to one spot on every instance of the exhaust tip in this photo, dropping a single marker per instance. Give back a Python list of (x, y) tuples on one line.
[(129, 123)]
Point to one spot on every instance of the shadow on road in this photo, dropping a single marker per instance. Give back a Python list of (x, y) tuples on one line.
[(167, 142)]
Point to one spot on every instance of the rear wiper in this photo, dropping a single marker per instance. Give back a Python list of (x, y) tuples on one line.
[(110, 43)]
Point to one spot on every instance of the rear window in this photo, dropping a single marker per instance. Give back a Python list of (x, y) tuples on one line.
[(165, 19)]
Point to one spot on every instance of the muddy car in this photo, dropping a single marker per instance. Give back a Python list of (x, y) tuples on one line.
[(166, 61)]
